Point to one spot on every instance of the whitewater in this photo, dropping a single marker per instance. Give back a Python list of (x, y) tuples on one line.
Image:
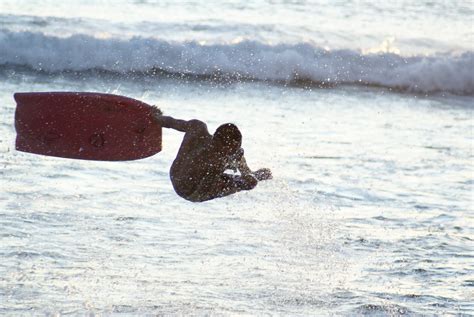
[(251, 60)]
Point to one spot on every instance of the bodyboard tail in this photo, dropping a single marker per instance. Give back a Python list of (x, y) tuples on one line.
[(86, 126)]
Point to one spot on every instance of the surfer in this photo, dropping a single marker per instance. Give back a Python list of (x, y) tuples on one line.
[(198, 172)]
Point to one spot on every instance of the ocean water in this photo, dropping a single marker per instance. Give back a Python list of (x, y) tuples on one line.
[(363, 110)]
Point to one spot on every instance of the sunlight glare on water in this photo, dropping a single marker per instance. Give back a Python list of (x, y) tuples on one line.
[(369, 141)]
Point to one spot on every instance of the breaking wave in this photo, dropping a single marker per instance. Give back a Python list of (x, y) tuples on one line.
[(254, 60)]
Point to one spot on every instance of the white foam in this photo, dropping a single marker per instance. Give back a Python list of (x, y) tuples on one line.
[(448, 72)]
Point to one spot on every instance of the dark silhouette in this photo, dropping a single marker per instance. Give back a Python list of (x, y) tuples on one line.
[(198, 172)]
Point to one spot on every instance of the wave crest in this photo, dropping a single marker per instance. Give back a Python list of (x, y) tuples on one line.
[(254, 60)]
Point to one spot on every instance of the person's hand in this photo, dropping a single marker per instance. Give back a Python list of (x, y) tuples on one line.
[(238, 155), (156, 112), (263, 174)]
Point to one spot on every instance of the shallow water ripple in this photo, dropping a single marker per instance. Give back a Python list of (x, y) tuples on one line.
[(369, 213)]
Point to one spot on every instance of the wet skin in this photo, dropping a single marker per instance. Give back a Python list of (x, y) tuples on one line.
[(198, 172)]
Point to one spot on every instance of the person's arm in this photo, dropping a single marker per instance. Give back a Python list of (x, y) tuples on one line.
[(261, 174), (176, 124), (244, 169), (172, 123)]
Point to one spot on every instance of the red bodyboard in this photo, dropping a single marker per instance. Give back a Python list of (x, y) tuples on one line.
[(87, 126)]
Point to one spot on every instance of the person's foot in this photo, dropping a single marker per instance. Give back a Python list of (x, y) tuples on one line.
[(263, 174)]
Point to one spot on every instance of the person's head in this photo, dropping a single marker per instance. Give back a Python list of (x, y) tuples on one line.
[(227, 139)]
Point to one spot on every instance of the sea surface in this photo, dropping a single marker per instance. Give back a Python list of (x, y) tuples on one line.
[(363, 110)]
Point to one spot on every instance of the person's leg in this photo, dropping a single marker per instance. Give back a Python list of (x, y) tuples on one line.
[(221, 186)]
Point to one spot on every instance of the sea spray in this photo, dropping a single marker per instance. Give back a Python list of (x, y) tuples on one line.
[(449, 72)]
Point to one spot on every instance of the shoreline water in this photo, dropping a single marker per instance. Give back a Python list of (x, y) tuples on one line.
[(326, 236)]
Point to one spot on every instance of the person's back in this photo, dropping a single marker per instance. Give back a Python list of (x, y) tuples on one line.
[(191, 163)]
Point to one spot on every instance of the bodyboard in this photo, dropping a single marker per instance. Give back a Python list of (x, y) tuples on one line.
[(87, 126)]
